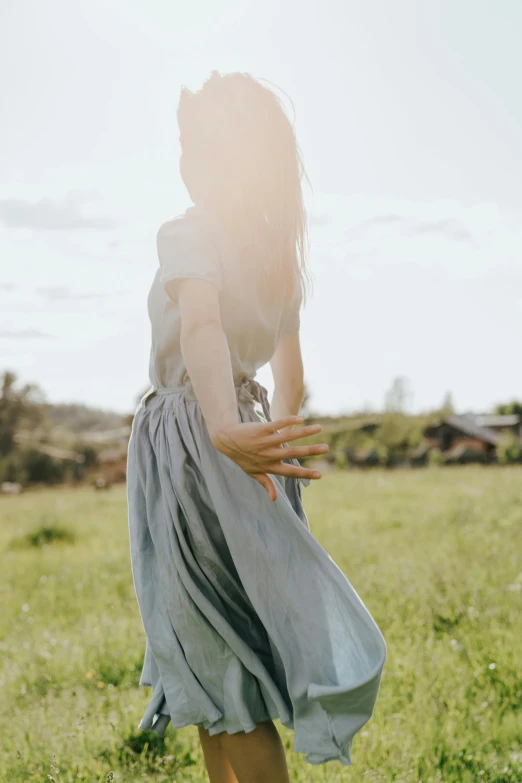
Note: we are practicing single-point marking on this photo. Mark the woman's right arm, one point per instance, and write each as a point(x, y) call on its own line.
point(257, 447)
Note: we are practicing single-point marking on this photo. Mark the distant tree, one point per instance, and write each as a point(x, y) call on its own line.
point(509, 408)
point(19, 406)
point(89, 454)
point(508, 449)
point(434, 457)
point(41, 468)
point(384, 455)
point(448, 404)
point(398, 396)
point(12, 468)
point(10, 412)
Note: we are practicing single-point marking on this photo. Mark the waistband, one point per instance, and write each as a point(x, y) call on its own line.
point(248, 391)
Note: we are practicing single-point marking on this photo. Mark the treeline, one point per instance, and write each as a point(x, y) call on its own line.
point(394, 437)
point(44, 443)
point(41, 443)
point(393, 440)
point(77, 418)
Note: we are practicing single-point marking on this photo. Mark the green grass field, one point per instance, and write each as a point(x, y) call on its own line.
point(435, 555)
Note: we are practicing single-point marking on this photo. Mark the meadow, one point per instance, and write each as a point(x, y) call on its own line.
point(435, 555)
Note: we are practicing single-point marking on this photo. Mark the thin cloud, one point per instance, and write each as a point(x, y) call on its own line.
point(7, 286)
point(62, 293)
point(446, 227)
point(452, 229)
point(383, 220)
point(23, 334)
point(49, 215)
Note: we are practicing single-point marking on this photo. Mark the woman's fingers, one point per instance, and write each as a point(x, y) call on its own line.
point(259, 449)
point(280, 424)
point(297, 452)
point(285, 469)
point(277, 438)
point(268, 483)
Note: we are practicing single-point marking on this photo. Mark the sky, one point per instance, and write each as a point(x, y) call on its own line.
point(409, 118)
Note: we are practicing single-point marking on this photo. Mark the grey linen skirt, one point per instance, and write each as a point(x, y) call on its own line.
point(247, 618)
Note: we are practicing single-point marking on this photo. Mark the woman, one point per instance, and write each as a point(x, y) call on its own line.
point(247, 618)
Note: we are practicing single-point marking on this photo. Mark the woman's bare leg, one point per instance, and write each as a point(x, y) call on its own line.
point(216, 761)
point(256, 756)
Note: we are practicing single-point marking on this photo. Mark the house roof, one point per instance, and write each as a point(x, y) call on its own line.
point(507, 420)
point(467, 424)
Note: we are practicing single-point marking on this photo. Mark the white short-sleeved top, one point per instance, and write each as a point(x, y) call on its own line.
point(194, 245)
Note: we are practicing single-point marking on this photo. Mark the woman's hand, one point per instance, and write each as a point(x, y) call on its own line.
point(257, 447)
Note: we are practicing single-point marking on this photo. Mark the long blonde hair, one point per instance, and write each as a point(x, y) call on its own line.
point(243, 156)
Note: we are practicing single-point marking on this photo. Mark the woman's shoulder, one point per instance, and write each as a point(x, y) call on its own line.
point(191, 220)
point(188, 236)
point(192, 225)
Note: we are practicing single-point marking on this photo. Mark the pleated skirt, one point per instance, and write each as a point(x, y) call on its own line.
point(247, 618)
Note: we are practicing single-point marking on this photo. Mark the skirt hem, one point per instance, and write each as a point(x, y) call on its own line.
point(311, 757)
